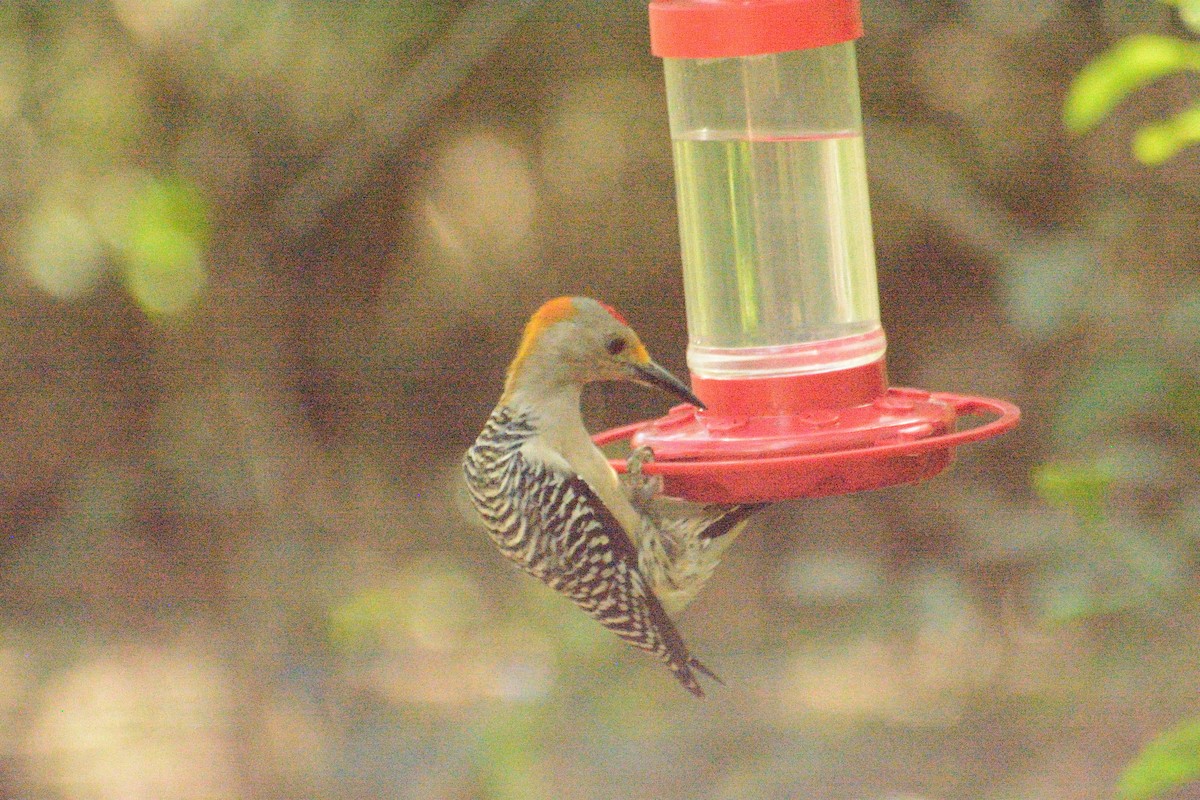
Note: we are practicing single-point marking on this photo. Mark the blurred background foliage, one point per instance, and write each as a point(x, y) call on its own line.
point(263, 264)
point(1129, 65)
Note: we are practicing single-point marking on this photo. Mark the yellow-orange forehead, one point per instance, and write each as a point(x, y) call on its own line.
point(552, 311)
point(563, 308)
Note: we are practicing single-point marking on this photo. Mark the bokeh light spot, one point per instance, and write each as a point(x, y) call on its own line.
point(155, 21)
point(134, 724)
point(481, 199)
point(162, 244)
point(165, 273)
point(60, 251)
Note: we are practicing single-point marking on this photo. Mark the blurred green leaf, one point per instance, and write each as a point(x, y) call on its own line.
point(433, 604)
point(1167, 762)
point(1153, 144)
point(356, 622)
point(173, 203)
point(511, 754)
point(1189, 13)
point(164, 271)
point(162, 241)
point(1125, 67)
point(1082, 488)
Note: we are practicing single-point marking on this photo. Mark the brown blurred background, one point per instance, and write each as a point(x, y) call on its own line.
point(262, 266)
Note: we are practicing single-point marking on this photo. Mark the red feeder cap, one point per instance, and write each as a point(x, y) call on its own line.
point(728, 28)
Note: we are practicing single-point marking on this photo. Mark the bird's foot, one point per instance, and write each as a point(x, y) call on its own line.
point(642, 487)
point(639, 458)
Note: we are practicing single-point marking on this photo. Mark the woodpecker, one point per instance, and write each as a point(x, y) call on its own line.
point(623, 552)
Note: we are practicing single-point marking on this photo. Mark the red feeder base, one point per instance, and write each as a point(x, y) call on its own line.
point(807, 436)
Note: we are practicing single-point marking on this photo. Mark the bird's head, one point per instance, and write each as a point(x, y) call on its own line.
point(577, 340)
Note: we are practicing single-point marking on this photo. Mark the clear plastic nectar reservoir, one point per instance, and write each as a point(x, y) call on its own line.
point(786, 350)
point(778, 259)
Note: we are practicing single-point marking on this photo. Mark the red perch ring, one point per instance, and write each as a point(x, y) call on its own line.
point(898, 455)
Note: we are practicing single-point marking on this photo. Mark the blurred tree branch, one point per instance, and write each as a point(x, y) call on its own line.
point(474, 36)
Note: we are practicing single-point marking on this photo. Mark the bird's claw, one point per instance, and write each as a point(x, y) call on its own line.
point(642, 487)
point(640, 457)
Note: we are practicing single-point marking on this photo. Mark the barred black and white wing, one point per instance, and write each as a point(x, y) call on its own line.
point(553, 524)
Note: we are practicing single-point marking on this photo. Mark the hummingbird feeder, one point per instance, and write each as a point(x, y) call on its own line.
point(785, 347)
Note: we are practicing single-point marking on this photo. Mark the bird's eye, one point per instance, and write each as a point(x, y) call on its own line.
point(616, 345)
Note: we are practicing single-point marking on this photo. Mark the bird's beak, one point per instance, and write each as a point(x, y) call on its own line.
point(651, 374)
